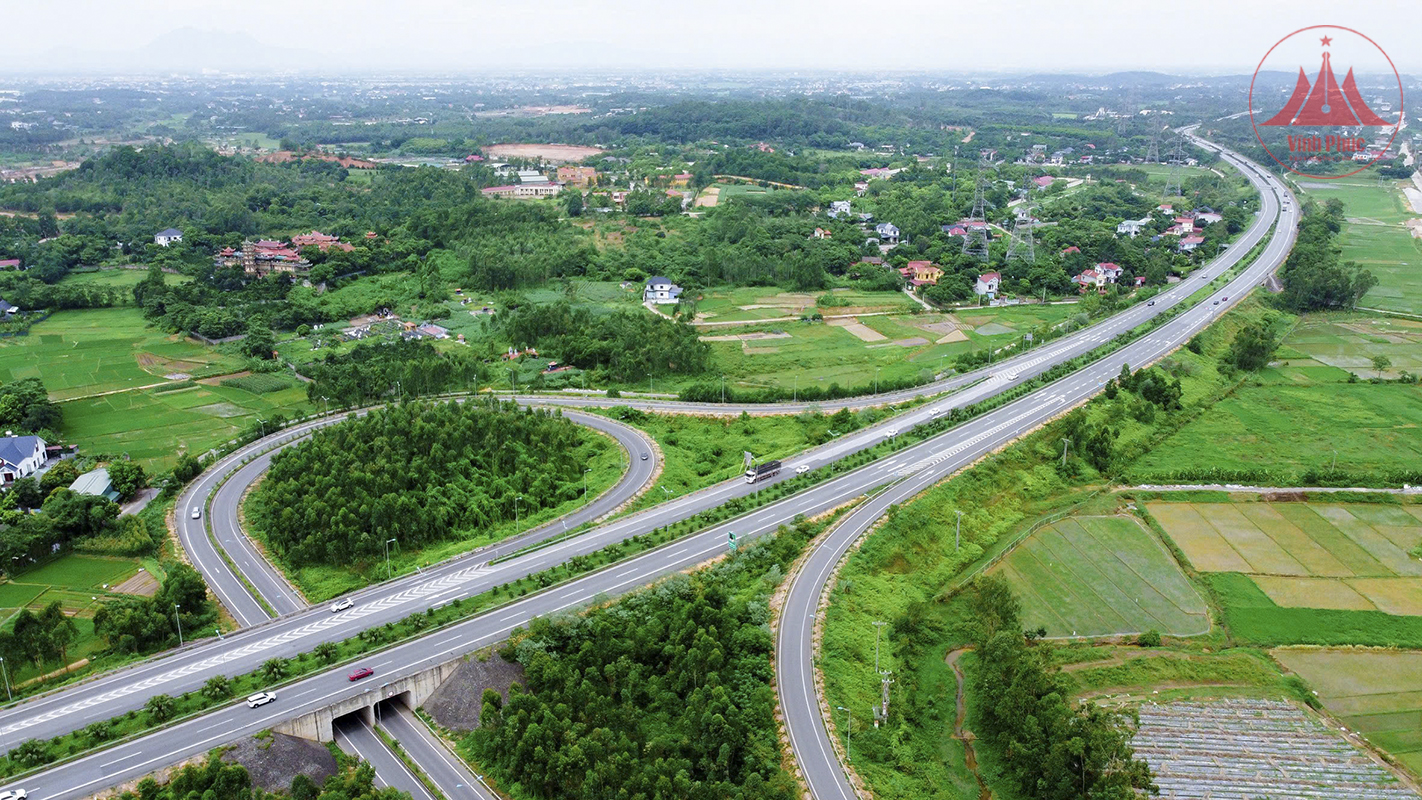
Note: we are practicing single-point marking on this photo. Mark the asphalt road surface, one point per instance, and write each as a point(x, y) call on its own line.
point(447, 771)
point(358, 739)
point(915, 467)
point(794, 653)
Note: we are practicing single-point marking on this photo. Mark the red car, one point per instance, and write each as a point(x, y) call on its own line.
point(363, 672)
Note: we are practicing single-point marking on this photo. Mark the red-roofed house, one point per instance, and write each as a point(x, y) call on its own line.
point(821, 233)
point(922, 273)
point(577, 176)
point(1070, 250)
point(1110, 271)
point(988, 284)
point(1190, 243)
point(1088, 278)
point(10, 263)
point(319, 240)
point(1044, 181)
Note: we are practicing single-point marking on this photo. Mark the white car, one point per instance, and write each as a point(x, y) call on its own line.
point(1011, 376)
point(892, 432)
point(341, 605)
point(260, 699)
point(197, 514)
point(802, 469)
point(14, 794)
point(936, 412)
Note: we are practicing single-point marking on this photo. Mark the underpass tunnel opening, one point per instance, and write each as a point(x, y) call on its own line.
point(364, 715)
point(393, 703)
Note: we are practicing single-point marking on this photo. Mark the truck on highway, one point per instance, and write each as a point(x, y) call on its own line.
point(759, 472)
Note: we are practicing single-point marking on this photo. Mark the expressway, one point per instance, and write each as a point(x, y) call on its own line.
point(923, 463)
point(794, 653)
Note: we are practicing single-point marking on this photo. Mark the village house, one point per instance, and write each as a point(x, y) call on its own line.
point(820, 233)
point(95, 483)
point(888, 233)
point(838, 207)
point(1132, 227)
point(921, 273)
point(988, 284)
point(544, 189)
point(167, 236)
point(1098, 277)
point(9, 263)
point(21, 456)
point(1189, 243)
point(661, 291)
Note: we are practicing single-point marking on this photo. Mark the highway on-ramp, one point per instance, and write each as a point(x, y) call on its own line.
point(800, 701)
point(925, 463)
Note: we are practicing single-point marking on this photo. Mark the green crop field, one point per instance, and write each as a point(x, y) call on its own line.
point(1376, 238)
point(81, 353)
point(121, 279)
point(1289, 418)
point(1096, 576)
point(80, 584)
point(154, 426)
point(1378, 694)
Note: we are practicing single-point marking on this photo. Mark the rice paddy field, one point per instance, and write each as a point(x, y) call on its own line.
point(1098, 576)
point(1300, 413)
point(1376, 693)
point(124, 387)
point(1376, 238)
point(120, 279)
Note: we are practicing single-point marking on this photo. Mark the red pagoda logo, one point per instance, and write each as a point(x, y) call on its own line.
point(1329, 120)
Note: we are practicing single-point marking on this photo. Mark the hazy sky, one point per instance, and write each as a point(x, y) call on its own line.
point(1207, 36)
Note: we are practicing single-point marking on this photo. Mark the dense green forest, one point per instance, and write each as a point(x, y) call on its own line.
point(628, 346)
point(406, 368)
point(418, 473)
point(664, 695)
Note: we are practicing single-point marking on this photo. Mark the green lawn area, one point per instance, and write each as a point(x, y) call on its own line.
point(80, 353)
point(729, 190)
point(80, 584)
point(1097, 576)
point(121, 279)
point(1376, 238)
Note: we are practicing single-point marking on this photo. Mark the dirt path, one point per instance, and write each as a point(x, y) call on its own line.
point(970, 756)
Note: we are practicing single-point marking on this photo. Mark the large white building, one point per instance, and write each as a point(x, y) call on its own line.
point(167, 236)
point(661, 291)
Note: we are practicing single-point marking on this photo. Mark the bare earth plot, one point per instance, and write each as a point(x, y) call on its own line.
point(1374, 692)
point(1097, 576)
point(1307, 555)
point(1256, 749)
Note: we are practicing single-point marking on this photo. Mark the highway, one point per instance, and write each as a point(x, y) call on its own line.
point(447, 771)
point(800, 701)
point(919, 465)
point(358, 739)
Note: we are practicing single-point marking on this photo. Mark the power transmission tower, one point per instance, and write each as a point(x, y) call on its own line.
point(1177, 169)
point(1153, 151)
point(1022, 246)
point(975, 241)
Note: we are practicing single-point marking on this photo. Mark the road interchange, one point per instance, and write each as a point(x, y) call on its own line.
point(907, 471)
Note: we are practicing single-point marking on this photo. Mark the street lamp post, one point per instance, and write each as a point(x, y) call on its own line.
point(848, 725)
point(878, 629)
point(1065, 443)
point(723, 388)
point(585, 486)
point(387, 554)
point(958, 531)
point(518, 517)
point(6, 673)
point(876, 379)
point(179, 621)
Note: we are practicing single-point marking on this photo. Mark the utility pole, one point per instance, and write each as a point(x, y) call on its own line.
point(958, 531)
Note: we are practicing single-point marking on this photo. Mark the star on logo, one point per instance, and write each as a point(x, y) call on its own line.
point(1327, 40)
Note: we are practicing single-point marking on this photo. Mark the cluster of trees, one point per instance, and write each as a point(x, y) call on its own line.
point(1253, 346)
point(25, 407)
point(1048, 747)
point(665, 694)
point(39, 638)
point(405, 368)
point(1142, 395)
point(220, 780)
point(626, 346)
point(418, 473)
point(146, 624)
point(1313, 276)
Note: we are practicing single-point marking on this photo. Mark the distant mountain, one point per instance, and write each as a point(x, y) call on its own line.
point(184, 50)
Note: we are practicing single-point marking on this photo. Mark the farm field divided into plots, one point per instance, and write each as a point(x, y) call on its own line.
point(1306, 573)
point(1096, 576)
point(1375, 236)
point(94, 361)
point(1377, 693)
